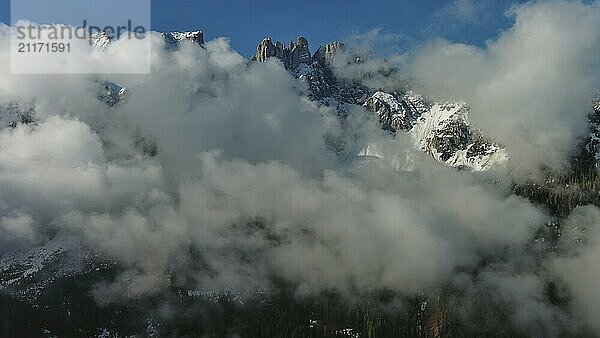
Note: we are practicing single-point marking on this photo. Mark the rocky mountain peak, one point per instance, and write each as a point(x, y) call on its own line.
point(327, 52)
point(441, 130)
point(174, 39)
point(292, 56)
point(102, 40)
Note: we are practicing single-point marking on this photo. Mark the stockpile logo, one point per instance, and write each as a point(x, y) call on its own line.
point(80, 37)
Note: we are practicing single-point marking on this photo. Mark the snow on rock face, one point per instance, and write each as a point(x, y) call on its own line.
point(444, 133)
point(443, 126)
point(13, 114)
point(111, 93)
point(396, 114)
point(593, 145)
point(327, 53)
point(174, 39)
point(441, 130)
point(26, 273)
point(101, 41)
point(325, 89)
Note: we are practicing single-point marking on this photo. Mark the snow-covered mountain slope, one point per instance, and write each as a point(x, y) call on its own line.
point(325, 89)
point(26, 273)
point(593, 145)
point(110, 92)
point(101, 41)
point(441, 130)
point(174, 39)
point(15, 113)
point(12, 114)
point(444, 133)
point(397, 114)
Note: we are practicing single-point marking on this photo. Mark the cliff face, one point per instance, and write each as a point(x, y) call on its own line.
point(296, 53)
point(441, 130)
point(292, 56)
point(174, 39)
point(327, 52)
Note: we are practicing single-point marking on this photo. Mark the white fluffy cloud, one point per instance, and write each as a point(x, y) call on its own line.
point(248, 222)
point(243, 187)
point(318, 225)
point(579, 269)
point(532, 87)
point(59, 164)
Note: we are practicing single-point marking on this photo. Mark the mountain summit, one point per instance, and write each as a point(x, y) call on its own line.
point(292, 56)
point(441, 130)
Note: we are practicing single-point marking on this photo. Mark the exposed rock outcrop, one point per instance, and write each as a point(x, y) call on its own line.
point(12, 114)
point(111, 93)
point(396, 114)
point(441, 130)
point(174, 39)
point(326, 53)
point(291, 56)
point(100, 40)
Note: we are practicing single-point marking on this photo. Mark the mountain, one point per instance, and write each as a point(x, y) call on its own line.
point(441, 130)
point(174, 39)
point(292, 56)
point(110, 92)
point(102, 41)
point(26, 273)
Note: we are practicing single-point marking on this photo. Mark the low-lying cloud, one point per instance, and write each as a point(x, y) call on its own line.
point(243, 187)
point(530, 88)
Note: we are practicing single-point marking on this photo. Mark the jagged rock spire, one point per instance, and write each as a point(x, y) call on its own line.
point(292, 56)
point(327, 52)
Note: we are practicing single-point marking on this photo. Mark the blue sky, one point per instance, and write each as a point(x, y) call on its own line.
point(401, 22)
